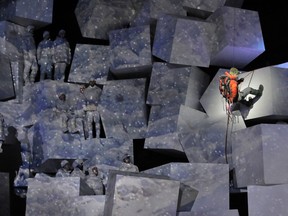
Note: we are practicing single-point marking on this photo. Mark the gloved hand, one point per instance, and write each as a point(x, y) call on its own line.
point(240, 80)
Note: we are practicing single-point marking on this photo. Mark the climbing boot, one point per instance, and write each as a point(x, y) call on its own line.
point(257, 92)
point(260, 90)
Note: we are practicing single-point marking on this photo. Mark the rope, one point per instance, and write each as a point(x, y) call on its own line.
point(251, 78)
point(226, 140)
point(252, 72)
point(230, 118)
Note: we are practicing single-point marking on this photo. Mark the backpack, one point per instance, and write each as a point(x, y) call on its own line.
point(224, 86)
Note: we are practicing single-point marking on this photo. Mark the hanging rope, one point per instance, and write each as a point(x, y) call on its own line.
point(226, 140)
point(251, 78)
point(230, 119)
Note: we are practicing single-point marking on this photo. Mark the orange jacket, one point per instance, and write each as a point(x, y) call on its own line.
point(233, 87)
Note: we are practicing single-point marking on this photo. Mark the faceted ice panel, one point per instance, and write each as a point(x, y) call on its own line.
point(259, 155)
point(11, 45)
point(141, 194)
point(202, 8)
point(208, 140)
point(130, 49)
point(152, 10)
point(41, 12)
point(6, 82)
point(57, 193)
point(176, 84)
point(282, 65)
point(233, 212)
point(183, 41)
point(163, 119)
point(267, 200)
point(97, 17)
point(10, 40)
point(189, 118)
point(86, 205)
point(122, 108)
point(198, 82)
point(90, 62)
point(142, 15)
point(211, 181)
point(239, 37)
point(27, 12)
point(167, 141)
point(168, 83)
point(187, 197)
point(159, 8)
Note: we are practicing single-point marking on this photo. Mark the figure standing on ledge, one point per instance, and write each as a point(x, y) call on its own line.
point(228, 86)
point(94, 181)
point(61, 56)
point(2, 131)
point(44, 56)
point(29, 54)
point(67, 114)
point(127, 165)
point(78, 169)
point(91, 94)
point(65, 169)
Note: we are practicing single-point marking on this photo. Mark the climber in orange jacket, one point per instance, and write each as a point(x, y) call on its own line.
point(228, 86)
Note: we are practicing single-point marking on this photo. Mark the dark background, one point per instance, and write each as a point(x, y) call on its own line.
point(274, 23)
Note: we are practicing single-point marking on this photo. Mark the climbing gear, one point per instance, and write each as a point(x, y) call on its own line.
point(224, 87)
